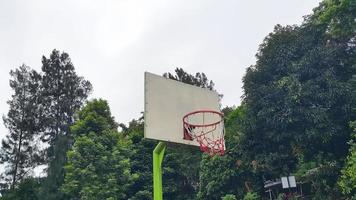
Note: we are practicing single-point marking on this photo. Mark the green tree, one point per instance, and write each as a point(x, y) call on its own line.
point(251, 196)
point(179, 179)
point(19, 151)
point(233, 173)
point(98, 164)
point(141, 160)
point(347, 180)
point(218, 176)
point(27, 189)
point(229, 197)
point(63, 93)
point(199, 79)
point(298, 95)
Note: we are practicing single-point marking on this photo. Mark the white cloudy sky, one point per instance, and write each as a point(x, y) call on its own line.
point(112, 43)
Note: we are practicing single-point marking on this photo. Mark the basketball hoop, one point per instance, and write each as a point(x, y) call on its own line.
point(207, 128)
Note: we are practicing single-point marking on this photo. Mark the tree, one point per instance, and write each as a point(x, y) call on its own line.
point(347, 180)
point(98, 164)
point(141, 160)
point(298, 95)
point(19, 151)
point(199, 79)
point(251, 196)
point(63, 93)
point(218, 176)
point(27, 189)
point(234, 173)
point(229, 197)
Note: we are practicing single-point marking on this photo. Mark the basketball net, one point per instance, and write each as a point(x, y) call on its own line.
point(207, 128)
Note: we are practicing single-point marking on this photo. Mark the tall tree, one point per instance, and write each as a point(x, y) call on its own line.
point(347, 180)
point(98, 165)
point(298, 95)
point(19, 151)
point(63, 93)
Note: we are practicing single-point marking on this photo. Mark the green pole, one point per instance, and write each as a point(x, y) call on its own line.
point(158, 154)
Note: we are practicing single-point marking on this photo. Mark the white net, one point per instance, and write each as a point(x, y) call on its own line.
point(207, 128)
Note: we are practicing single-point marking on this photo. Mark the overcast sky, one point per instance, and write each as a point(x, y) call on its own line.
point(112, 43)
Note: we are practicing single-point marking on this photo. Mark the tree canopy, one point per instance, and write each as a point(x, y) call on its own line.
point(19, 151)
point(98, 165)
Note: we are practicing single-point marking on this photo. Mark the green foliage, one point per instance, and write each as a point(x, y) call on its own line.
point(199, 79)
point(339, 16)
point(141, 160)
point(181, 172)
point(19, 151)
point(299, 98)
point(251, 196)
point(98, 165)
point(234, 121)
point(322, 180)
point(62, 94)
point(94, 117)
point(180, 179)
point(229, 197)
point(55, 170)
point(218, 176)
point(347, 180)
point(303, 168)
point(96, 170)
point(43, 106)
point(227, 110)
point(27, 189)
point(233, 172)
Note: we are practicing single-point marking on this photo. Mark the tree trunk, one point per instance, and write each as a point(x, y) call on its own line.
point(17, 153)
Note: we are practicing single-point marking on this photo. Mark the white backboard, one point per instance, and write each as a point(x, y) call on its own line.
point(292, 182)
point(166, 103)
point(288, 182)
point(284, 182)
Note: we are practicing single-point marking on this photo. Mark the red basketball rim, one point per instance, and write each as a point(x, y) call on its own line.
point(203, 111)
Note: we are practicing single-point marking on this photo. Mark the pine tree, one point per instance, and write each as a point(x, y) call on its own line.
point(199, 80)
point(63, 93)
point(19, 151)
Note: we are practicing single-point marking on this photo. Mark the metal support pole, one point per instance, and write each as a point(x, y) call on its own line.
point(158, 154)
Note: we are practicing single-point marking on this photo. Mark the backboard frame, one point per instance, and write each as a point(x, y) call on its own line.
point(167, 91)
